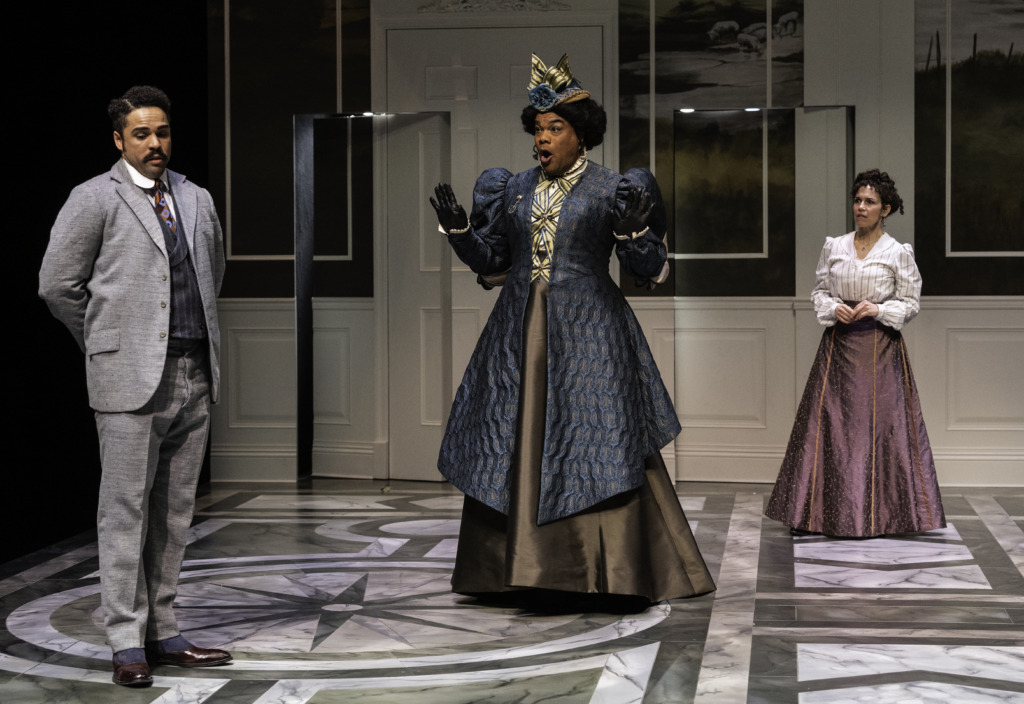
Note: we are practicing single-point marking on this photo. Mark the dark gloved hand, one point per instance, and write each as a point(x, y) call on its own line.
point(635, 213)
point(450, 214)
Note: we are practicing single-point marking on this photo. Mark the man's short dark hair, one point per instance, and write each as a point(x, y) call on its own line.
point(134, 98)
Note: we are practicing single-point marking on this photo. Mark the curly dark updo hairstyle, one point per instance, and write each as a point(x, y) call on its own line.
point(883, 185)
point(586, 116)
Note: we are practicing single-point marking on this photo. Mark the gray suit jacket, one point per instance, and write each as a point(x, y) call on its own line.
point(106, 276)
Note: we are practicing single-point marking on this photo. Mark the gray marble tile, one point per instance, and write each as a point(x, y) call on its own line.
point(621, 678)
point(815, 576)
point(1007, 533)
point(380, 547)
point(565, 687)
point(599, 633)
point(320, 503)
point(875, 613)
point(711, 538)
point(47, 569)
point(45, 690)
point(625, 676)
point(948, 533)
point(326, 564)
point(1008, 600)
point(772, 690)
point(31, 624)
point(858, 633)
point(444, 549)
point(774, 655)
point(1011, 501)
point(817, 661)
point(882, 551)
point(955, 505)
point(726, 662)
point(441, 503)
point(922, 692)
point(436, 526)
point(692, 504)
point(166, 690)
point(767, 612)
point(345, 529)
point(725, 667)
point(205, 528)
point(269, 540)
point(674, 677)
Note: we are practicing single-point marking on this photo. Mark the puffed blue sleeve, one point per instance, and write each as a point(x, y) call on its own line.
point(644, 256)
point(484, 247)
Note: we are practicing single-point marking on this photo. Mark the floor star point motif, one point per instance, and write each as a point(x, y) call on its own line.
point(336, 594)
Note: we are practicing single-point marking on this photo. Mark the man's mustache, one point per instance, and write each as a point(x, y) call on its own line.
point(158, 154)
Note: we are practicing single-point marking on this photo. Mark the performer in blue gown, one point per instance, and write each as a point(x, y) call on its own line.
point(555, 432)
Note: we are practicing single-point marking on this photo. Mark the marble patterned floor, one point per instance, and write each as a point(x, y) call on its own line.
point(340, 593)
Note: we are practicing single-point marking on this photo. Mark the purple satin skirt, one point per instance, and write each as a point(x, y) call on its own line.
point(858, 462)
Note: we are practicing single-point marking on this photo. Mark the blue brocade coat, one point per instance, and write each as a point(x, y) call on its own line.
point(607, 407)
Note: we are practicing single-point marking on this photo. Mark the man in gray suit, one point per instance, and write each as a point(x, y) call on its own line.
point(133, 268)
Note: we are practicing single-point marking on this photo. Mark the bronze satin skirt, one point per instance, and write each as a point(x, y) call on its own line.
point(638, 543)
point(858, 462)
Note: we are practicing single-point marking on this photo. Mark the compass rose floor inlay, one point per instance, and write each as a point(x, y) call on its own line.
point(340, 592)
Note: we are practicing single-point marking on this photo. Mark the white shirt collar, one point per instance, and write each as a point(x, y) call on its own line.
point(141, 181)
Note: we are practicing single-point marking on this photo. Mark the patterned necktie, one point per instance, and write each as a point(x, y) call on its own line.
point(162, 208)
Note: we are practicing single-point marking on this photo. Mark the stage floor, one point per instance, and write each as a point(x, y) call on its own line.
point(340, 593)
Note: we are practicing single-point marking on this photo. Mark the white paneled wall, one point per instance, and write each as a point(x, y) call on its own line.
point(740, 366)
point(967, 356)
point(736, 368)
point(345, 397)
point(253, 427)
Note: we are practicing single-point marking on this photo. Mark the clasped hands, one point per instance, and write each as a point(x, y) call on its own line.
point(450, 215)
point(864, 309)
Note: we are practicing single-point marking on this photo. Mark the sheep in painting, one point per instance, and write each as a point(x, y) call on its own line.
point(786, 24)
point(723, 28)
point(748, 42)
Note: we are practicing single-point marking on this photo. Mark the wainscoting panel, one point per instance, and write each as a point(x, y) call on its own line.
point(740, 366)
point(736, 369)
point(734, 378)
point(252, 434)
point(978, 399)
point(253, 427)
point(967, 355)
point(346, 441)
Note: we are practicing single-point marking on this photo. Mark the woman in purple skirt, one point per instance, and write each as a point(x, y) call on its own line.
point(859, 463)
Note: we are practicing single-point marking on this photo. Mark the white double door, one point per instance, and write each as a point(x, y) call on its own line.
point(479, 76)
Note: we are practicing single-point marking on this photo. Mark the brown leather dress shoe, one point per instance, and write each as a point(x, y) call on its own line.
point(193, 657)
point(132, 674)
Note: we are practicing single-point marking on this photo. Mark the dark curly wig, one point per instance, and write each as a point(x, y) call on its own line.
point(883, 185)
point(134, 98)
point(586, 116)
